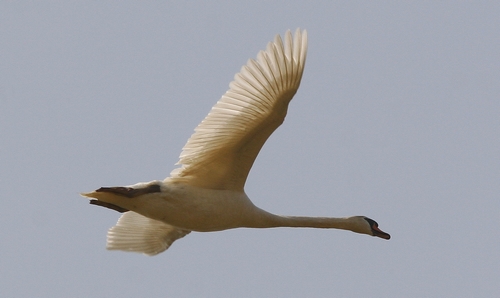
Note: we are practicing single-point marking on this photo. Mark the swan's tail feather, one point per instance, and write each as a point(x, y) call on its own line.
point(137, 233)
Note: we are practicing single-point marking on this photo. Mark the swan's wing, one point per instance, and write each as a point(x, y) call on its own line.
point(222, 149)
point(137, 233)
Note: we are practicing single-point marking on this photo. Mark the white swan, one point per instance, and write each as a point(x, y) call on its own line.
point(206, 192)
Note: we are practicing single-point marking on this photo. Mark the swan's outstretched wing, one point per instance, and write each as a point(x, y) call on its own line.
point(137, 233)
point(222, 150)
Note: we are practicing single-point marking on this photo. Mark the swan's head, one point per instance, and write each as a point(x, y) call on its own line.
point(365, 225)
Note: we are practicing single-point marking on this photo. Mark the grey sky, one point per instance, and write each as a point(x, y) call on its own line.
point(397, 118)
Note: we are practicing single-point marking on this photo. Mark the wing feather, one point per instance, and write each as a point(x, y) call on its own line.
point(221, 152)
point(137, 233)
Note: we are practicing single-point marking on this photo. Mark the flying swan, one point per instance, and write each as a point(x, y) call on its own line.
point(206, 193)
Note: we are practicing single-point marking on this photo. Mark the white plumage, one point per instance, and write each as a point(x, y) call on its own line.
point(134, 232)
point(206, 193)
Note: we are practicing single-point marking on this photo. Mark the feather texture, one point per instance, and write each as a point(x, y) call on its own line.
point(222, 149)
point(137, 233)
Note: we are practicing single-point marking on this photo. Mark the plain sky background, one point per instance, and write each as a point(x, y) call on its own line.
point(397, 118)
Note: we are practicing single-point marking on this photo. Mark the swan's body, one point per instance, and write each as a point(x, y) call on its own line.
point(206, 193)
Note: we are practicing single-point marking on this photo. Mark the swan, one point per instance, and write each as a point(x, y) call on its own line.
point(206, 193)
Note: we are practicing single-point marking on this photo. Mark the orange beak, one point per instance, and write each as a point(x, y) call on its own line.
point(379, 233)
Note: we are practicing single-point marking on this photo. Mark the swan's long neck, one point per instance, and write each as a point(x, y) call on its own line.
point(315, 222)
point(269, 220)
